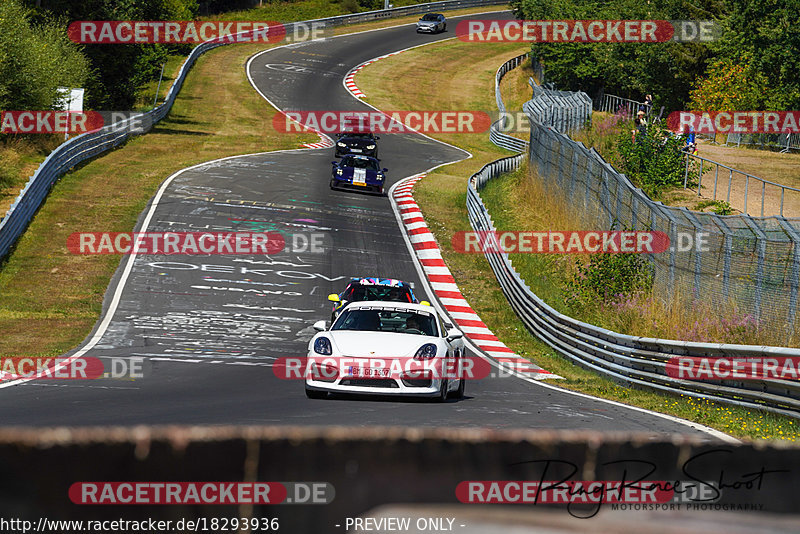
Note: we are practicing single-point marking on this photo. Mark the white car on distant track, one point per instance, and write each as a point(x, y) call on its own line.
point(386, 348)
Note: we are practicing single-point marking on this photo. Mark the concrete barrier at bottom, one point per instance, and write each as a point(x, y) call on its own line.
point(371, 467)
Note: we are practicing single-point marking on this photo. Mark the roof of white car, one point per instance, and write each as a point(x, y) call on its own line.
point(391, 304)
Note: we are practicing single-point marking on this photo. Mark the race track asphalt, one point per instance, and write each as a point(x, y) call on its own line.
point(210, 327)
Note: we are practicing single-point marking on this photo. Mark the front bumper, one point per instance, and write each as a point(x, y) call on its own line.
point(426, 29)
point(377, 387)
point(370, 186)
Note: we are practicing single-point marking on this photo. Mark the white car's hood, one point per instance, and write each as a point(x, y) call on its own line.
point(382, 344)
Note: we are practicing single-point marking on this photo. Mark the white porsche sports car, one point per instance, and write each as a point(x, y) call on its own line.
point(386, 348)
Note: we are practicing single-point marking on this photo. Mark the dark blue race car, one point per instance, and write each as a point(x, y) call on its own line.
point(358, 172)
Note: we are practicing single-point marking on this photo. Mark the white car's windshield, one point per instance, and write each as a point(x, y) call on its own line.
point(404, 322)
point(430, 18)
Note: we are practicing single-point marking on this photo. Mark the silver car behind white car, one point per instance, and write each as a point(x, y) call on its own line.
point(432, 23)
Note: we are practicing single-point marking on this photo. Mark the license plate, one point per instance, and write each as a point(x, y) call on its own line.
point(356, 150)
point(367, 372)
point(360, 177)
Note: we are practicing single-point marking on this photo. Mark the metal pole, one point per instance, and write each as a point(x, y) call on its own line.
point(700, 177)
point(716, 175)
point(746, 186)
point(158, 88)
point(730, 183)
point(686, 174)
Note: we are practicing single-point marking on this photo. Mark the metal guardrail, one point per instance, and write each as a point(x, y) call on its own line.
point(89, 145)
point(785, 142)
point(632, 360)
point(615, 104)
point(496, 134)
point(760, 183)
point(564, 111)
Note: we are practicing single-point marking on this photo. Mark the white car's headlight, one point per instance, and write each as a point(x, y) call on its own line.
point(322, 345)
point(426, 352)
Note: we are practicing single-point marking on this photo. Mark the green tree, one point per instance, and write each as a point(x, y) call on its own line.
point(765, 34)
point(35, 59)
point(730, 85)
point(120, 69)
point(632, 70)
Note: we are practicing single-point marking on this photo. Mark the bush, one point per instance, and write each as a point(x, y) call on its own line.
point(654, 161)
point(608, 278)
point(720, 207)
point(35, 59)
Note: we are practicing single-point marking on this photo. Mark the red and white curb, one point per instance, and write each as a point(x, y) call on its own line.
point(444, 285)
point(350, 78)
point(324, 142)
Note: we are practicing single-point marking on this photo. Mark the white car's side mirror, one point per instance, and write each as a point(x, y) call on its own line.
point(320, 326)
point(453, 334)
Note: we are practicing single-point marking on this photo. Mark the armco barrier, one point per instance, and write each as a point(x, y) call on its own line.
point(89, 145)
point(631, 360)
point(495, 132)
point(564, 111)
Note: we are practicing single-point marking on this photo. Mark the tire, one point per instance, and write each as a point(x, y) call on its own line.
point(442, 397)
point(333, 183)
point(314, 394)
point(444, 28)
point(462, 384)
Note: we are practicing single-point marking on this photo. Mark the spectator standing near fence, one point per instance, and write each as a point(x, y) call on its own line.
point(647, 105)
point(640, 122)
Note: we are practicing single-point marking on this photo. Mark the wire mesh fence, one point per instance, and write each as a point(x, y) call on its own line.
point(750, 264)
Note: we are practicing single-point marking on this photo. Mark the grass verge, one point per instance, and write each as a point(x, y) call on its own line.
point(414, 80)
